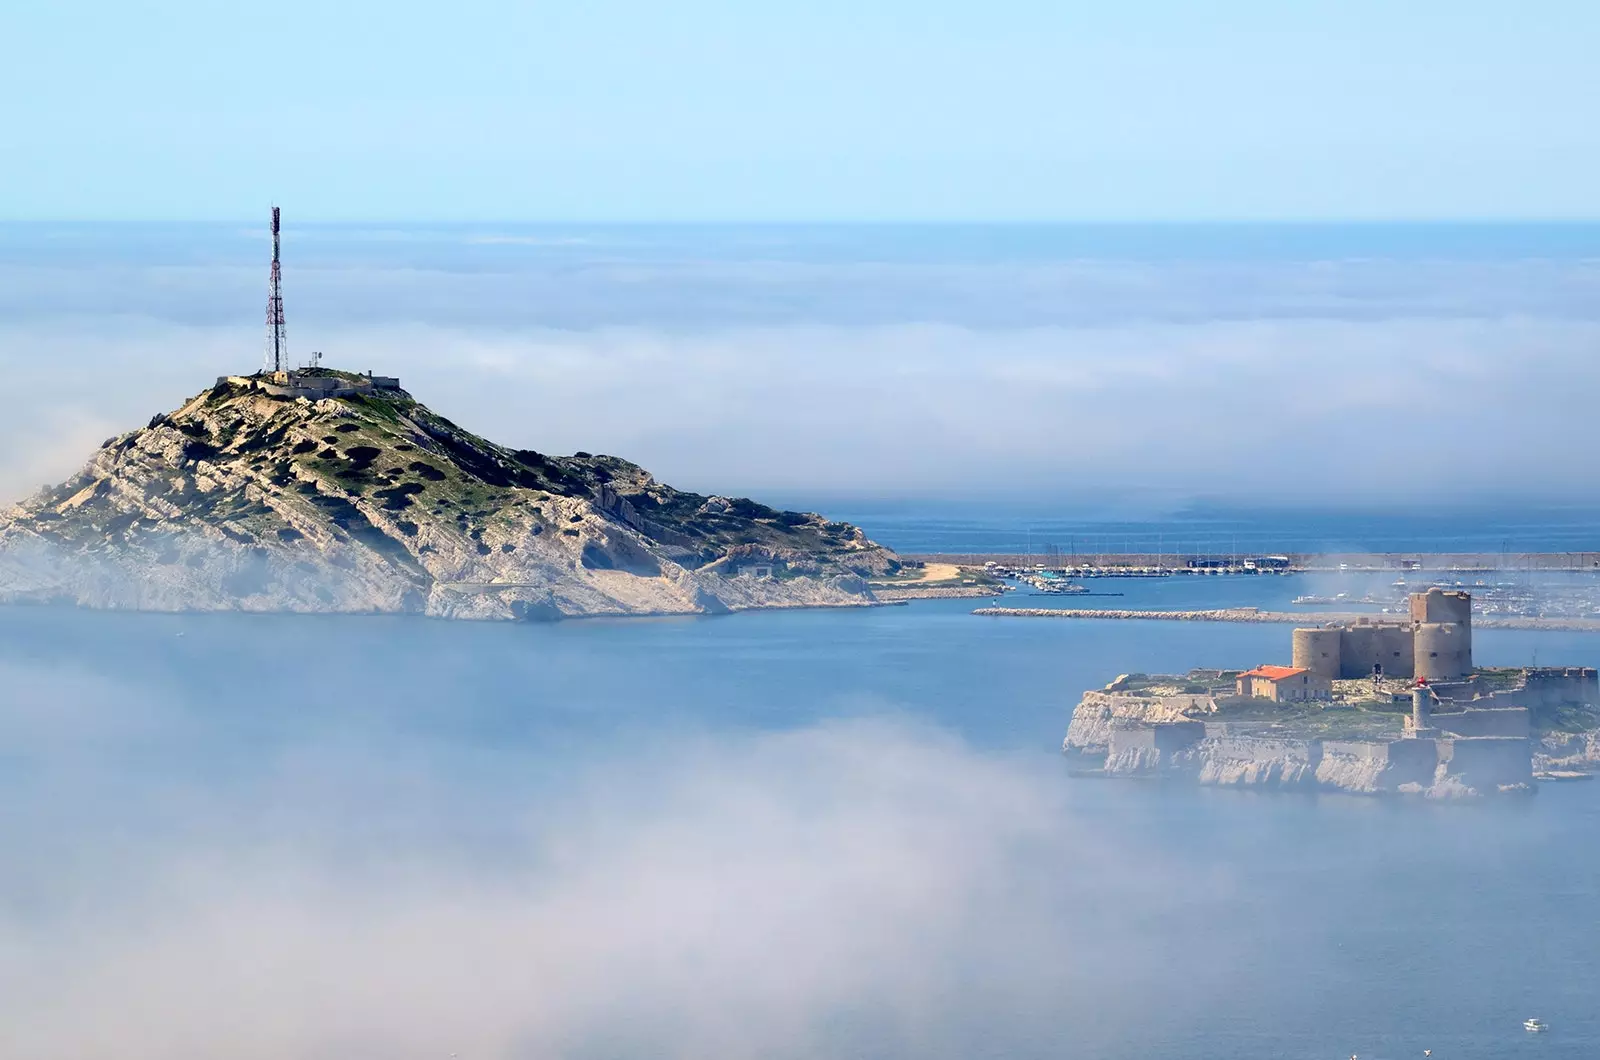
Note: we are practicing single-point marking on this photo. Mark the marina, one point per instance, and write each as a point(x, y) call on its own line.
point(1557, 588)
point(1164, 564)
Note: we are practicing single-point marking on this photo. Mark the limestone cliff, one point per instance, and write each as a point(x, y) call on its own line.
point(1569, 751)
point(246, 500)
point(1257, 761)
point(1101, 712)
point(1143, 726)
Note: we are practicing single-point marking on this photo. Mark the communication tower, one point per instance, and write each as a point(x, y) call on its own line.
point(277, 353)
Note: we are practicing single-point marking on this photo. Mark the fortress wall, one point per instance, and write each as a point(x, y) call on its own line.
point(1100, 714)
point(1355, 765)
point(1532, 698)
point(1462, 692)
point(1411, 762)
point(1486, 763)
point(1166, 737)
point(1377, 766)
point(1257, 761)
point(1132, 751)
point(1555, 687)
point(1318, 650)
point(1146, 749)
point(1363, 645)
point(1496, 721)
point(1179, 735)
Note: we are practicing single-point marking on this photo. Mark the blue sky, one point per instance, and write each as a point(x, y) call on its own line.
point(706, 110)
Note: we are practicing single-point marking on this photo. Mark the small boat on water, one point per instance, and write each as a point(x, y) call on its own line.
point(1535, 1026)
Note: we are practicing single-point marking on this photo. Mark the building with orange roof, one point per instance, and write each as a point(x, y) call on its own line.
point(1284, 684)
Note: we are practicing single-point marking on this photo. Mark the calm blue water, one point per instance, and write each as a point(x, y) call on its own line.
point(1106, 919)
point(1003, 527)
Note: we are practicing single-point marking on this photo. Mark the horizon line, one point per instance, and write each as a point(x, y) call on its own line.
point(1217, 222)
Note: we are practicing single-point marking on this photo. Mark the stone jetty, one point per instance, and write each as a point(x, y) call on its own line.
point(1251, 614)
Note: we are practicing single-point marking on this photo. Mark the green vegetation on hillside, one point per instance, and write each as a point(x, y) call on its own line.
point(376, 468)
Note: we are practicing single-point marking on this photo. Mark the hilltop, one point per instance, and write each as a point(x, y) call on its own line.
point(248, 498)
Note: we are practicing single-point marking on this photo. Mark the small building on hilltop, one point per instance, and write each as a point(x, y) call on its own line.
point(313, 384)
point(1284, 684)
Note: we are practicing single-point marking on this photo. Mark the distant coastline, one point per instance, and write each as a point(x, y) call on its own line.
point(1400, 562)
point(1074, 526)
point(1255, 615)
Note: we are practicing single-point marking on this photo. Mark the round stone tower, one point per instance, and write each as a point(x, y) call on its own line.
point(1443, 644)
point(1443, 651)
point(1439, 605)
point(1317, 650)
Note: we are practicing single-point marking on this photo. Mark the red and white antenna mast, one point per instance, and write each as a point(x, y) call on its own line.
point(277, 343)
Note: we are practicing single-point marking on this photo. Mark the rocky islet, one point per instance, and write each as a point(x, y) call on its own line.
point(246, 499)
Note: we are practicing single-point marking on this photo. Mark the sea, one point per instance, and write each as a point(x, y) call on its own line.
point(818, 832)
point(1212, 529)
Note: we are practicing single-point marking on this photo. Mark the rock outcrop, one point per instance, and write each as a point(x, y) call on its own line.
point(1568, 751)
point(1101, 713)
point(1171, 736)
point(246, 500)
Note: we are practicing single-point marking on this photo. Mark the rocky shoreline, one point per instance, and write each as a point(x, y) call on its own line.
point(1158, 731)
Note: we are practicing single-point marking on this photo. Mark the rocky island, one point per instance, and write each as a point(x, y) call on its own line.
point(1388, 707)
point(325, 491)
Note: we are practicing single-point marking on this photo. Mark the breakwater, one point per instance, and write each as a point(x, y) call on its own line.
point(1251, 614)
point(898, 593)
point(1180, 561)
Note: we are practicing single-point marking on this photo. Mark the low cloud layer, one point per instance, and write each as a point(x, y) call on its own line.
point(844, 888)
point(201, 866)
point(806, 371)
point(1298, 411)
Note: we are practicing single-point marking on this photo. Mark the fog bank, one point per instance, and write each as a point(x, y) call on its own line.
point(844, 887)
point(783, 362)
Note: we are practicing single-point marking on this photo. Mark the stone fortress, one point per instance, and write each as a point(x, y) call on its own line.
point(1330, 719)
point(1435, 645)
